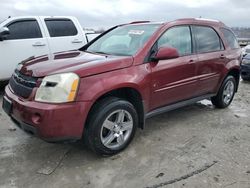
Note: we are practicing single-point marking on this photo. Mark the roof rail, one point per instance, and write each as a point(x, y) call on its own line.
point(135, 22)
point(198, 19)
point(183, 19)
point(207, 19)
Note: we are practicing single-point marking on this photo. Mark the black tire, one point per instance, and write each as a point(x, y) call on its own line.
point(94, 125)
point(218, 100)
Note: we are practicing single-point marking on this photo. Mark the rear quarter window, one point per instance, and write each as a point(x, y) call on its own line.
point(230, 38)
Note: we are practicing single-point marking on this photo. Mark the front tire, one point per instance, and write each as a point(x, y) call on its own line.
point(226, 93)
point(111, 126)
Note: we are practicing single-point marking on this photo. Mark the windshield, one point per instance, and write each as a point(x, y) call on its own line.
point(125, 40)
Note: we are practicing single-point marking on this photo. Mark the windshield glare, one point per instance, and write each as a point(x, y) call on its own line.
point(124, 40)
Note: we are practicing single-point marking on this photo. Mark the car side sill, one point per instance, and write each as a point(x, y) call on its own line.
point(177, 105)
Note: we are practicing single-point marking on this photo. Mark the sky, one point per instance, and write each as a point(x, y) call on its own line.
point(107, 13)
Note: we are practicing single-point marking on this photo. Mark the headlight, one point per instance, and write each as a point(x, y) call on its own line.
point(58, 88)
point(246, 61)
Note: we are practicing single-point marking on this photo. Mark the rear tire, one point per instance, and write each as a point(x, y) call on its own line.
point(111, 126)
point(226, 93)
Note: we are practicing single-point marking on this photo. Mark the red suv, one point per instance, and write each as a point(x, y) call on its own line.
point(105, 90)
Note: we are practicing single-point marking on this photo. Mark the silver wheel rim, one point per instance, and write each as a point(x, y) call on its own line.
point(228, 92)
point(116, 129)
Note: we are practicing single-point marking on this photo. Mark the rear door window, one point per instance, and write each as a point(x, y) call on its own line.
point(24, 29)
point(207, 40)
point(178, 37)
point(61, 27)
point(230, 38)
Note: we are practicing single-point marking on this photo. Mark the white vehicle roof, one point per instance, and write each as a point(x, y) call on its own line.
point(34, 17)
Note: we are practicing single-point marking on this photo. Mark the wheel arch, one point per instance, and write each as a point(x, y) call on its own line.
point(126, 93)
point(235, 72)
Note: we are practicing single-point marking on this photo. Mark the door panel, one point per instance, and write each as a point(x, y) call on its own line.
point(21, 45)
point(63, 34)
point(212, 58)
point(173, 80)
point(210, 67)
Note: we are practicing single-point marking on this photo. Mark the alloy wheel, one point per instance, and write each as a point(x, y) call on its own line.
point(116, 129)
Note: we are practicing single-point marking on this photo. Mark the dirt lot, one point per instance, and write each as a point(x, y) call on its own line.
point(196, 146)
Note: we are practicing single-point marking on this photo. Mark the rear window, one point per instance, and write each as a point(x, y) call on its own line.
point(61, 27)
point(24, 29)
point(207, 40)
point(230, 38)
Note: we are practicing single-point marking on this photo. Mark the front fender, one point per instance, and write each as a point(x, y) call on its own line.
point(136, 77)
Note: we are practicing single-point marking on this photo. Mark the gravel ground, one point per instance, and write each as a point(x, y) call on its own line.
point(196, 146)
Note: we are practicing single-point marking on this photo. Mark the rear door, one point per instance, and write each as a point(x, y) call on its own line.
point(26, 39)
point(63, 33)
point(174, 80)
point(212, 58)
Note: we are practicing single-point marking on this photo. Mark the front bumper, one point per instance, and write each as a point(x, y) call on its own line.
point(50, 122)
point(245, 71)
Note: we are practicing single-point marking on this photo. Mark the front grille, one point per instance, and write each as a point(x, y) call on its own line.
point(22, 85)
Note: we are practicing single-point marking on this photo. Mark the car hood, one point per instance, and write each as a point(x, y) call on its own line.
point(82, 63)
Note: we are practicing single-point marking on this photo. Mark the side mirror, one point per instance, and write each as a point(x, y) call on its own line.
point(166, 53)
point(4, 32)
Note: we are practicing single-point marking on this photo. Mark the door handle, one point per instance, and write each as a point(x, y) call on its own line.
point(76, 41)
point(38, 44)
point(222, 56)
point(191, 61)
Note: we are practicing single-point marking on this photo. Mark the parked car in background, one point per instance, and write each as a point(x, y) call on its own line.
point(246, 50)
point(105, 90)
point(245, 67)
point(33, 36)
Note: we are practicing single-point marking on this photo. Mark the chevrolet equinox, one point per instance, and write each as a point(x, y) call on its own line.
point(105, 90)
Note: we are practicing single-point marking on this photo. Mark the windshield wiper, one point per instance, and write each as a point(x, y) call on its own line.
point(115, 54)
point(98, 52)
point(121, 54)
